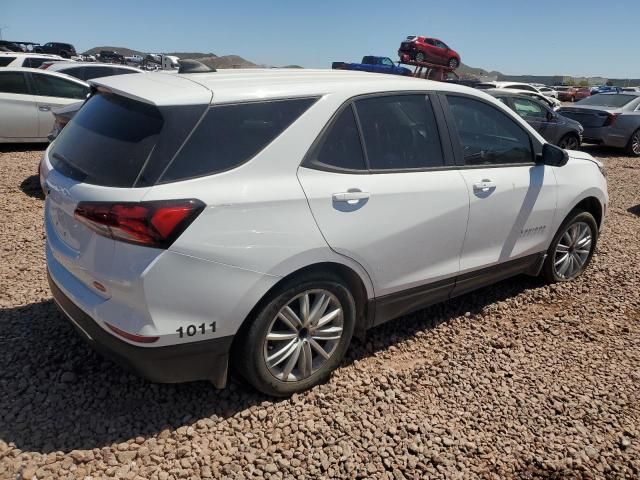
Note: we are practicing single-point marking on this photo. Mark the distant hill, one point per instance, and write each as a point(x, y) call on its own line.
point(210, 59)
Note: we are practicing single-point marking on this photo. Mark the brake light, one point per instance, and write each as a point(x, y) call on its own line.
point(46, 65)
point(611, 119)
point(152, 224)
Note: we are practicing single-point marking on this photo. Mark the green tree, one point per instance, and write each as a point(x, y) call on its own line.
point(609, 83)
point(583, 83)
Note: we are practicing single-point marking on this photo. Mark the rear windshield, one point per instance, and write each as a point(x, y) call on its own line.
point(108, 141)
point(230, 135)
point(608, 100)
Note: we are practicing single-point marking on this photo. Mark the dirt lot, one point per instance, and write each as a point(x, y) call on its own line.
point(518, 380)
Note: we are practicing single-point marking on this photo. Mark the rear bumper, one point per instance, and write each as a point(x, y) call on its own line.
point(185, 362)
point(606, 136)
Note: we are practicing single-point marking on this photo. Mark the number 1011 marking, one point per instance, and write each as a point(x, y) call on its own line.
point(192, 330)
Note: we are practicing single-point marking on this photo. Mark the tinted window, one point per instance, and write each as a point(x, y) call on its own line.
point(399, 132)
point(49, 86)
point(13, 82)
point(4, 61)
point(608, 100)
point(35, 62)
point(77, 72)
point(528, 109)
point(108, 141)
point(122, 71)
point(487, 135)
point(230, 135)
point(97, 72)
point(340, 147)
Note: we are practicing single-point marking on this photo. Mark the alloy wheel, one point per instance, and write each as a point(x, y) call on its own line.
point(572, 251)
point(635, 143)
point(304, 335)
point(569, 143)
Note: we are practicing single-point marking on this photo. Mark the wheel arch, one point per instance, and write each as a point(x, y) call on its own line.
point(591, 204)
point(356, 284)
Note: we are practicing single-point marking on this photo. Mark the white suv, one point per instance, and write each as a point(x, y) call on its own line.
point(261, 218)
point(28, 60)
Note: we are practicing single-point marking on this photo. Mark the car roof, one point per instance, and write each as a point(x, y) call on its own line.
point(58, 65)
point(28, 54)
point(45, 72)
point(235, 85)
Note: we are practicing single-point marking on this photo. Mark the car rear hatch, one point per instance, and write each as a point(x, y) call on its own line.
point(112, 152)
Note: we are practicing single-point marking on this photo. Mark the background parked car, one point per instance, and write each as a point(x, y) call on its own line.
point(371, 63)
point(605, 89)
point(566, 93)
point(523, 89)
point(582, 92)
point(27, 96)
point(548, 92)
point(87, 71)
point(110, 56)
point(555, 128)
point(29, 60)
point(65, 50)
point(432, 50)
point(611, 119)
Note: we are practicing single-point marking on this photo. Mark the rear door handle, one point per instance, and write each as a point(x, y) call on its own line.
point(351, 197)
point(484, 185)
point(44, 108)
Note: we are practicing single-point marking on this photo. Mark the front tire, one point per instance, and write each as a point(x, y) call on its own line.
point(633, 147)
point(569, 142)
point(420, 57)
point(299, 337)
point(572, 248)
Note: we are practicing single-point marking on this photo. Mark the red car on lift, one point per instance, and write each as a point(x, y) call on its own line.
point(430, 50)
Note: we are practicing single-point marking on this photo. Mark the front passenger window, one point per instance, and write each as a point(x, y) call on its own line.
point(487, 135)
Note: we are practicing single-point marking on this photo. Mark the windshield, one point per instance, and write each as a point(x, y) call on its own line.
point(608, 100)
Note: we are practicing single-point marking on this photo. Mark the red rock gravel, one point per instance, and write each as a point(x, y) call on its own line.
point(518, 380)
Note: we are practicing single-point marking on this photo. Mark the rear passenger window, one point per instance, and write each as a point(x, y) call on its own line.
point(400, 132)
point(13, 82)
point(340, 147)
point(35, 62)
point(230, 135)
point(50, 86)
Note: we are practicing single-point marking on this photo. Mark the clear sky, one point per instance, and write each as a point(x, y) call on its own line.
point(544, 37)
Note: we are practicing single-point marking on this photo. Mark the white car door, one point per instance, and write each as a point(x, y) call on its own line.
point(52, 92)
point(18, 117)
point(390, 202)
point(512, 198)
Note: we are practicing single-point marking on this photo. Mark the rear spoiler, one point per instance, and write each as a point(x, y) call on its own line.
point(158, 89)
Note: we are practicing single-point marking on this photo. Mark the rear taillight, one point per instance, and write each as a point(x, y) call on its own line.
point(152, 224)
point(46, 65)
point(611, 119)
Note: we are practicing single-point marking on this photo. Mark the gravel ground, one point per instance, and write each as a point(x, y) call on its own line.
point(518, 380)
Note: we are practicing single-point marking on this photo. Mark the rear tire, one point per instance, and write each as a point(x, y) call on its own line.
point(283, 352)
point(633, 147)
point(572, 248)
point(420, 57)
point(453, 63)
point(65, 54)
point(569, 142)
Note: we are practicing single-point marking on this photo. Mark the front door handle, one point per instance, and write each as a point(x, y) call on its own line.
point(484, 185)
point(44, 108)
point(350, 197)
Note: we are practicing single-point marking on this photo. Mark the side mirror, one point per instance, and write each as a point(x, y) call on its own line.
point(551, 116)
point(553, 156)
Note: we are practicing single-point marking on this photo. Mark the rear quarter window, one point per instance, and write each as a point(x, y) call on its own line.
point(230, 135)
point(4, 61)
